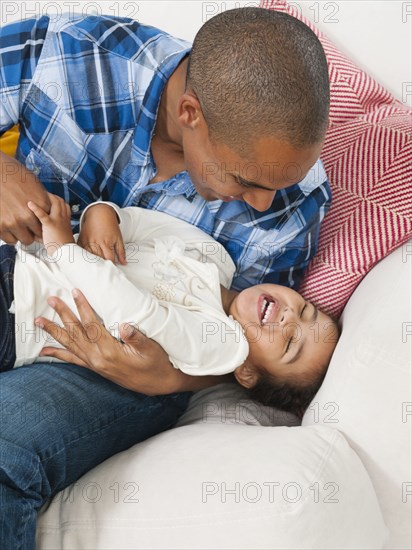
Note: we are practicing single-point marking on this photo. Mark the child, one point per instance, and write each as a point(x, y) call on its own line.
point(175, 286)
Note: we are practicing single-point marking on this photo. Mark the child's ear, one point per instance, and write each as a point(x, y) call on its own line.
point(247, 375)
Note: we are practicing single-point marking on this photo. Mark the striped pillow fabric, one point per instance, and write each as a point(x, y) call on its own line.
point(368, 159)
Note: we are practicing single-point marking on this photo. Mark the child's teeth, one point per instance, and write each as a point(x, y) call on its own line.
point(268, 312)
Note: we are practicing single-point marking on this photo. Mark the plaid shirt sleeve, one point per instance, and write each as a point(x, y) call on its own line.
point(21, 44)
point(289, 267)
point(278, 251)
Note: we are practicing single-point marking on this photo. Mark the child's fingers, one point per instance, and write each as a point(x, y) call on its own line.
point(38, 211)
point(94, 248)
point(58, 206)
point(120, 251)
point(108, 252)
point(102, 250)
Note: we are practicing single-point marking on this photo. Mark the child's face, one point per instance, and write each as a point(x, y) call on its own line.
point(286, 333)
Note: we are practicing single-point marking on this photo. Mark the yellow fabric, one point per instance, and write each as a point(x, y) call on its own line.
point(8, 141)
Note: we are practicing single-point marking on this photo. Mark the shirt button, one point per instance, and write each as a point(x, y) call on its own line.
point(36, 170)
point(75, 207)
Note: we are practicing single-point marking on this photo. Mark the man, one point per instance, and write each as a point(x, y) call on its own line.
point(225, 136)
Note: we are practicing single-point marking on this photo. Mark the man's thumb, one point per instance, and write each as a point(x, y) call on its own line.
point(130, 333)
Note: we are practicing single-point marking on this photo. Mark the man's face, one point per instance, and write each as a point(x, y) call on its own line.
point(218, 172)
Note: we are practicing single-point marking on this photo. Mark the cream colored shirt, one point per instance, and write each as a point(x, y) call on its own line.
point(170, 289)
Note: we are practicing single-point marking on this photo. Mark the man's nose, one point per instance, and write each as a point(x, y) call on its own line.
point(259, 200)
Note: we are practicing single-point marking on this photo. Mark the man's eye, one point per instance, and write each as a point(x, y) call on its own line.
point(242, 184)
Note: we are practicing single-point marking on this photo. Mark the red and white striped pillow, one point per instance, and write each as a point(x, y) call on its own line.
point(368, 159)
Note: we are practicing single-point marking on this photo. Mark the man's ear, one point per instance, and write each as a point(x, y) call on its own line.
point(190, 112)
point(247, 375)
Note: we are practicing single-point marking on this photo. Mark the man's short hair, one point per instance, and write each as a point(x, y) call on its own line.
point(259, 72)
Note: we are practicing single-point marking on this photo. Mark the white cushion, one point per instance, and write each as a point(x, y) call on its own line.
point(221, 486)
point(367, 390)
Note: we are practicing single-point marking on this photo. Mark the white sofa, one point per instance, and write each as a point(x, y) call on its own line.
point(233, 474)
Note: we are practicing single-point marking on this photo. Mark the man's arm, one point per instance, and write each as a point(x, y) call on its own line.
point(21, 44)
point(139, 364)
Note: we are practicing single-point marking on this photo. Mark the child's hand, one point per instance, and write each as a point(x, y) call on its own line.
point(101, 235)
point(56, 228)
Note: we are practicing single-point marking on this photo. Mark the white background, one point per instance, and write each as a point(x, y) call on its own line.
point(377, 34)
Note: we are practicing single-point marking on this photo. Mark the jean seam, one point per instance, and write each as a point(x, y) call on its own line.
point(89, 433)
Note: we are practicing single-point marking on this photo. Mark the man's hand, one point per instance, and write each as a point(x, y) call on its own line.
point(17, 187)
point(56, 229)
point(139, 364)
point(101, 235)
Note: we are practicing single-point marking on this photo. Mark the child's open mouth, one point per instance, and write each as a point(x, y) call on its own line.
point(267, 309)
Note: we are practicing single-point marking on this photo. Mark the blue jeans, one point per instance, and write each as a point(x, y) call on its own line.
point(57, 422)
point(7, 337)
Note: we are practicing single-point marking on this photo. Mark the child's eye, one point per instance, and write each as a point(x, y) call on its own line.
point(303, 309)
point(290, 341)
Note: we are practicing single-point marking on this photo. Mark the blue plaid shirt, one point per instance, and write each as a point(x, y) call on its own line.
point(85, 92)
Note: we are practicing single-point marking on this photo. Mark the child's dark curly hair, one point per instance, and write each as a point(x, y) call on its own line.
point(285, 395)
